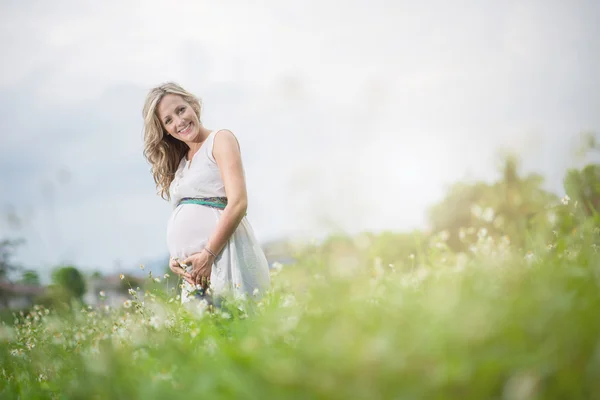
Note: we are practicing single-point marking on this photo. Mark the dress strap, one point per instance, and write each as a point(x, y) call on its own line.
point(211, 144)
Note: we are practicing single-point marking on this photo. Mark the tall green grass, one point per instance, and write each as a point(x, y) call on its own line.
point(493, 323)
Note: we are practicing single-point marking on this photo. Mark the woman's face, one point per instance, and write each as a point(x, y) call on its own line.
point(178, 118)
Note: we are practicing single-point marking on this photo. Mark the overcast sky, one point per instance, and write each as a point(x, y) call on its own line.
point(351, 115)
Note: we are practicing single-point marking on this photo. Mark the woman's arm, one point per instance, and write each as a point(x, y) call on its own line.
point(226, 152)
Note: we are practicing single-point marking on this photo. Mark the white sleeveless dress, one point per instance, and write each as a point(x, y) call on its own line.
point(241, 267)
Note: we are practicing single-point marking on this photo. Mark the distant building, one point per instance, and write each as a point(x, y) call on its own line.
point(17, 296)
point(110, 290)
point(278, 251)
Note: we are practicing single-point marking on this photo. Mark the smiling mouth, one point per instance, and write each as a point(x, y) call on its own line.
point(185, 130)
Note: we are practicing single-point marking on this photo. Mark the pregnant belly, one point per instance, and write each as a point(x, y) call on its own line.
point(189, 228)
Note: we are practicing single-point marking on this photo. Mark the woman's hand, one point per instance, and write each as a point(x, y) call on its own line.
point(178, 270)
point(201, 267)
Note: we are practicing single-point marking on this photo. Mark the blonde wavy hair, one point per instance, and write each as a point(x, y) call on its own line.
point(163, 151)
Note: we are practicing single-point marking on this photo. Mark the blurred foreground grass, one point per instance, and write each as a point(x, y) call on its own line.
point(496, 323)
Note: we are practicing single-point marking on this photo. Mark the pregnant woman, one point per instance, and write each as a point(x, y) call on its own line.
point(200, 171)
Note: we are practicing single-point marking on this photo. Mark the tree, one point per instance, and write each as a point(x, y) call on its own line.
point(70, 280)
point(398, 249)
point(96, 275)
point(589, 142)
point(30, 277)
point(506, 207)
point(7, 248)
point(583, 186)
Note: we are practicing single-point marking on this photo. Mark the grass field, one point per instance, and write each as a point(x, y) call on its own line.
point(494, 323)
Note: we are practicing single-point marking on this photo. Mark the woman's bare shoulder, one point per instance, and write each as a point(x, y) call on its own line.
point(225, 141)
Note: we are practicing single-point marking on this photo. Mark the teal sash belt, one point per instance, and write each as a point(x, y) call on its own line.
point(215, 202)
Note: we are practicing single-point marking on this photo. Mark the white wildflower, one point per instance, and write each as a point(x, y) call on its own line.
point(162, 376)
point(482, 233)
point(197, 308)
point(16, 352)
point(210, 346)
point(289, 323)
point(444, 236)
point(565, 200)
point(225, 315)
point(289, 300)
point(154, 322)
point(120, 332)
point(488, 214)
point(529, 257)
point(276, 267)
point(552, 218)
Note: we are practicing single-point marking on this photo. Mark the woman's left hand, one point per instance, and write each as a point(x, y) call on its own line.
point(201, 267)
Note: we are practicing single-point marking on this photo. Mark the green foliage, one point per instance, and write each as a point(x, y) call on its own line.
point(7, 265)
point(507, 207)
point(498, 301)
point(58, 298)
point(30, 277)
point(500, 324)
point(589, 142)
point(7, 249)
point(70, 281)
point(131, 282)
point(397, 249)
point(96, 275)
point(583, 186)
